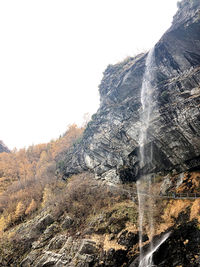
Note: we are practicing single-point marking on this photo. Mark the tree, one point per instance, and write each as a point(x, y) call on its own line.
point(31, 208)
point(3, 223)
point(20, 211)
point(46, 196)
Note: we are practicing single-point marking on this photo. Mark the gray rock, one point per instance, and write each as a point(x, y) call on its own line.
point(67, 223)
point(3, 148)
point(167, 183)
point(28, 261)
point(57, 242)
point(47, 259)
point(179, 180)
point(110, 143)
point(67, 247)
point(87, 247)
point(43, 223)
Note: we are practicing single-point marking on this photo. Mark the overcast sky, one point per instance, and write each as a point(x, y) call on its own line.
point(53, 54)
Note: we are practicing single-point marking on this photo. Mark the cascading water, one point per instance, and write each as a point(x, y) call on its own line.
point(147, 259)
point(144, 183)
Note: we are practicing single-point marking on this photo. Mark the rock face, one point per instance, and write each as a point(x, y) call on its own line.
point(181, 248)
point(111, 140)
point(3, 148)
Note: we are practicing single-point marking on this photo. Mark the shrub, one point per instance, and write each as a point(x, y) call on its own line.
point(83, 196)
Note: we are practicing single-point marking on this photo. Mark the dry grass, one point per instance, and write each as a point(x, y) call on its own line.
point(174, 208)
point(191, 183)
point(105, 243)
point(108, 244)
point(195, 210)
point(83, 197)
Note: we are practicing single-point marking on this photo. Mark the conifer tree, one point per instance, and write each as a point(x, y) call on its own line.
point(31, 208)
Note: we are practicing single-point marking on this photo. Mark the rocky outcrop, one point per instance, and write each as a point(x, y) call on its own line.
point(181, 248)
point(69, 252)
point(110, 142)
point(109, 236)
point(3, 148)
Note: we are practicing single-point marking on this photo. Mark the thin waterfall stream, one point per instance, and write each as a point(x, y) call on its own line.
point(145, 181)
point(147, 259)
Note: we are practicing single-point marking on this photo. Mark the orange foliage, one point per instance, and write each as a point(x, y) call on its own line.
point(31, 208)
point(63, 143)
point(24, 175)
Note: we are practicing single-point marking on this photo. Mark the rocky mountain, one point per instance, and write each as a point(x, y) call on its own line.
point(85, 222)
point(110, 143)
point(3, 148)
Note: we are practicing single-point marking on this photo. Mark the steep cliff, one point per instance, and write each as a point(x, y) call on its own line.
point(110, 143)
point(87, 222)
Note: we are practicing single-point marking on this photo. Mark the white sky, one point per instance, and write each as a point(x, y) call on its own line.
point(53, 54)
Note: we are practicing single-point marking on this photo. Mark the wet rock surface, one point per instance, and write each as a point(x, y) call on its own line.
point(181, 248)
point(109, 146)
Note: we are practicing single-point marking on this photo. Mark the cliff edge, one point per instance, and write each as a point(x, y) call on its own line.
point(110, 143)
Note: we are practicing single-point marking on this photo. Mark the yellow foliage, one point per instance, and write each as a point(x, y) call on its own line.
point(24, 174)
point(63, 143)
point(3, 223)
point(31, 208)
point(195, 210)
point(173, 209)
point(20, 211)
point(46, 196)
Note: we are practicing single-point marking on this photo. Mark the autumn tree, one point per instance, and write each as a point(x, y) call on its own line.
point(3, 223)
point(31, 208)
point(27, 176)
point(20, 211)
point(46, 196)
point(62, 144)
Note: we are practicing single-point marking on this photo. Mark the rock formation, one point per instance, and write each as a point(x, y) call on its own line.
point(3, 148)
point(110, 237)
point(110, 142)
point(70, 229)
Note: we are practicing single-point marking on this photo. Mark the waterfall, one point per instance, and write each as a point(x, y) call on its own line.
point(146, 261)
point(144, 183)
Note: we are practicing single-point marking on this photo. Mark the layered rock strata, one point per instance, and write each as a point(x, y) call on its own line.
point(110, 143)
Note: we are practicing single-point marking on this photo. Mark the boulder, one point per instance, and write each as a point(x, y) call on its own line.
point(67, 223)
point(43, 223)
